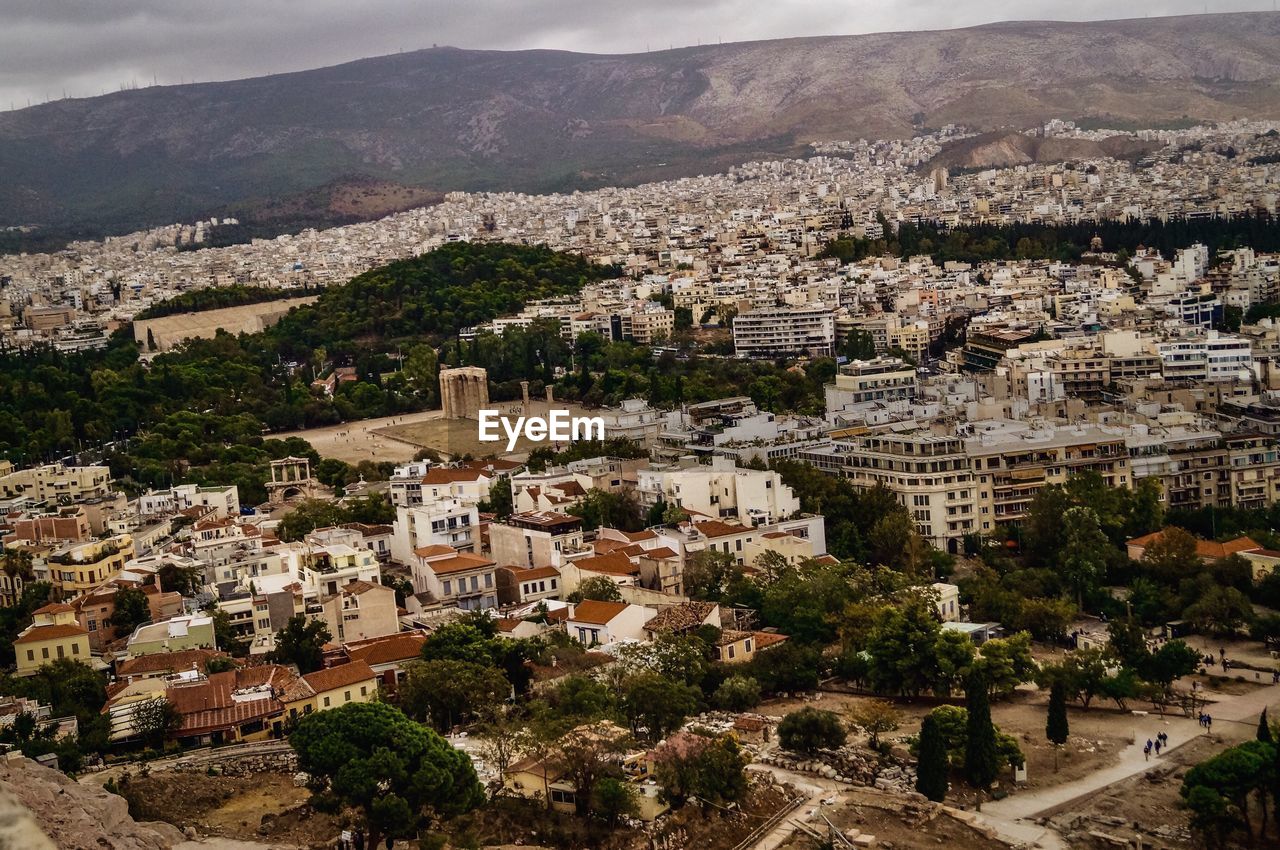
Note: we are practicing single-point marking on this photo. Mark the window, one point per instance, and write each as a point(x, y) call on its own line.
point(747, 645)
point(346, 696)
point(730, 650)
point(44, 652)
point(326, 702)
point(488, 579)
point(75, 649)
point(364, 689)
point(448, 587)
point(31, 655)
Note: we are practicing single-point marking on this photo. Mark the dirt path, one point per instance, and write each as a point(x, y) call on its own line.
point(360, 440)
point(1014, 816)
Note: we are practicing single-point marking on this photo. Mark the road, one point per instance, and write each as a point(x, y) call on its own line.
point(1015, 816)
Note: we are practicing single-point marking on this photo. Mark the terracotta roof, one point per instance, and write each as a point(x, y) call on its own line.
point(596, 611)
point(331, 678)
point(388, 650)
point(534, 572)
point(356, 588)
point(615, 563)
point(433, 550)
point(680, 618)
point(1206, 549)
point(211, 705)
point(54, 608)
point(52, 632)
point(459, 563)
point(635, 536)
point(452, 476)
point(570, 488)
point(764, 640)
point(168, 662)
point(660, 552)
point(715, 528)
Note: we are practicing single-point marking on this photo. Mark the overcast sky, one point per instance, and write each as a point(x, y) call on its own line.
point(86, 47)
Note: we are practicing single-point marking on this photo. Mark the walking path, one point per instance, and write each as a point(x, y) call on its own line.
point(1014, 817)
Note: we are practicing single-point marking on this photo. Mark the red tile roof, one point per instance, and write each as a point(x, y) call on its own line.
point(597, 612)
point(331, 678)
point(38, 633)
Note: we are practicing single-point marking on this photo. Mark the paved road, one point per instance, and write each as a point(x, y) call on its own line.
point(1015, 816)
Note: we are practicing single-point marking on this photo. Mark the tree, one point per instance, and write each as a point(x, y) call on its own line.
point(932, 762)
point(612, 510)
point(694, 764)
point(1220, 611)
point(1006, 662)
point(500, 501)
point(737, 693)
point(601, 588)
point(450, 692)
point(657, 705)
point(587, 754)
point(225, 636)
point(1171, 661)
point(981, 759)
point(301, 642)
point(154, 719)
point(613, 799)
point(809, 730)
point(1084, 559)
point(1235, 774)
point(875, 717)
point(707, 574)
point(895, 543)
point(902, 647)
point(1172, 557)
point(394, 771)
point(309, 515)
point(1056, 727)
point(131, 610)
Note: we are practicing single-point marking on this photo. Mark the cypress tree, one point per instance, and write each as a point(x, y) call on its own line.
point(931, 763)
point(981, 759)
point(1264, 729)
point(1056, 728)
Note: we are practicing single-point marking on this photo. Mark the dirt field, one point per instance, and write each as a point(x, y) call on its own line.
point(399, 438)
point(266, 807)
point(880, 814)
point(1097, 735)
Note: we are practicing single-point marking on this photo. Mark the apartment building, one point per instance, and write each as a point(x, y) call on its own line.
point(1013, 461)
point(1212, 357)
point(877, 380)
point(721, 490)
point(446, 578)
point(441, 522)
point(931, 474)
point(538, 539)
point(56, 484)
point(79, 567)
point(361, 610)
point(785, 331)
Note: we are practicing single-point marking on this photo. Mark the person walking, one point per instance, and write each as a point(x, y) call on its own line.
point(1157, 746)
point(1146, 752)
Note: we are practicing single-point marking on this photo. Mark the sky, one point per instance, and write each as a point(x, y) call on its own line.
point(78, 48)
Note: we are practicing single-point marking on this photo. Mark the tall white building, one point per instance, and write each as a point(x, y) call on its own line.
point(779, 331)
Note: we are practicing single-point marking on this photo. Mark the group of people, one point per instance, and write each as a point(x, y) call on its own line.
point(1206, 722)
point(1161, 741)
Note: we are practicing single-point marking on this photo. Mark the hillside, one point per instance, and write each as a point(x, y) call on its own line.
point(1002, 150)
point(447, 118)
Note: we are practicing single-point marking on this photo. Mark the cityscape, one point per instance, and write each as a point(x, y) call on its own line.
point(876, 490)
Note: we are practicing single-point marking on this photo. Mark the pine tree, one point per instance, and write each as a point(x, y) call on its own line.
point(931, 764)
point(1056, 728)
point(1264, 729)
point(981, 759)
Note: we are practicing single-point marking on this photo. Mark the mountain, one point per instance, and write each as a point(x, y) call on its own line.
point(447, 118)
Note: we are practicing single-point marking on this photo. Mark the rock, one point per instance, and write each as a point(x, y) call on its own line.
point(75, 816)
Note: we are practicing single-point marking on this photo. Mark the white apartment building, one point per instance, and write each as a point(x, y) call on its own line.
point(444, 522)
point(720, 490)
point(1212, 357)
point(861, 381)
point(223, 501)
point(784, 331)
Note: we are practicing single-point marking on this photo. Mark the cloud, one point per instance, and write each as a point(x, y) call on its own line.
point(49, 48)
